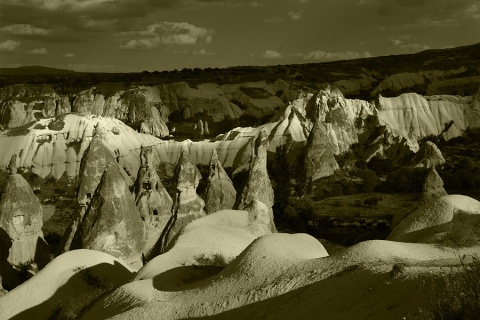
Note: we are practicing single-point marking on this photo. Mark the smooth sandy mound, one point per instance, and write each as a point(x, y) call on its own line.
point(282, 276)
point(271, 253)
point(70, 281)
point(216, 239)
point(435, 220)
point(266, 258)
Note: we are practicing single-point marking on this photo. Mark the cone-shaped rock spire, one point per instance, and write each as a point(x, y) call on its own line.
point(220, 192)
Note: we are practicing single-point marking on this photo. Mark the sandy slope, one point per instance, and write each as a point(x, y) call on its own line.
point(434, 219)
point(282, 276)
point(64, 283)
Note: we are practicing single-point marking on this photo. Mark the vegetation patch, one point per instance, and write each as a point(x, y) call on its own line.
point(20, 130)
point(459, 296)
point(58, 124)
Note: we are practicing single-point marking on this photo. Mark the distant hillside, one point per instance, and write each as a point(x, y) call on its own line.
point(439, 71)
point(32, 70)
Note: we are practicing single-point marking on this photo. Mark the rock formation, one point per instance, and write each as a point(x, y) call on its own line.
point(260, 218)
point(21, 216)
point(187, 205)
point(111, 223)
point(220, 192)
point(152, 200)
point(92, 168)
point(94, 162)
point(258, 185)
point(319, 154)
point(432, 187)
point(428, 156)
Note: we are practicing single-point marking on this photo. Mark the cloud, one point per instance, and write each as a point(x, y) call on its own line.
point(296, 15)
point(9, 45)
point(166, 33)
point(272, 54)
point(323, 55)
point(74, 20)
point(202, 52)
point(69, 55)
point(24, 30)
point(428, 22)
point(38, 51)
point(195, 4)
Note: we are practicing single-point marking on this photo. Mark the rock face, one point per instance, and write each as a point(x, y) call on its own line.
point(428, 156)
point(111, 223)
point(21, 217)
point(319, 154)
point(220, 192)
point(260, 218)
point(432, 187)
point(94, 162)
point(187, 205)
point(258, 186)
point(152, 200)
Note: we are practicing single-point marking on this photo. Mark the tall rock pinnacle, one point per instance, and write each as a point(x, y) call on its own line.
point(111, 223)
point(187, 205)
point(21, 217)
point(152, 200)
point(220, 192)
point(319, 153)
point(258, 186)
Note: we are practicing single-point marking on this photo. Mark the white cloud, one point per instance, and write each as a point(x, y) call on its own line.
point(9, 45)
point(296, 15)
point(473, 11)
point(323, 55)
point(24, 30)
point(69, 55)
point(38, 51)
point(272, 54)
point(202, 52)
point(169, 33)
point(426, 22)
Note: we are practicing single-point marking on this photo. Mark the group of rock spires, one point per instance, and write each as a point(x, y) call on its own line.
point(137, 221)
point(132, 220)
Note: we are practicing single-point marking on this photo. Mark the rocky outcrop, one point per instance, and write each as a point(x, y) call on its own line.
point(319, 154)
point(152, 200)
point(428, 156)
point(21, 217)
point(220, 193)
point(14, 113)
point(432, 188)
point(187, 205)
point(111, 223)
point(260, 218)
point(258, 185)
point(94, 162)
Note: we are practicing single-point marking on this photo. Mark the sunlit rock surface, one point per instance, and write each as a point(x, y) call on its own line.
point(220, 192)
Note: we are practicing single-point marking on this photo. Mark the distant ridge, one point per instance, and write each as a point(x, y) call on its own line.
point(33, 70)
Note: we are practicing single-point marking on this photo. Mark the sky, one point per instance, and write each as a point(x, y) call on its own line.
point(138, 35)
